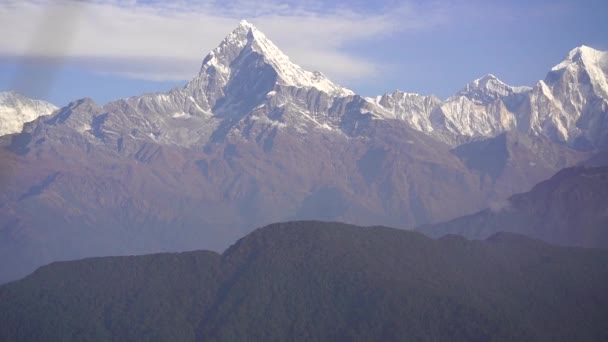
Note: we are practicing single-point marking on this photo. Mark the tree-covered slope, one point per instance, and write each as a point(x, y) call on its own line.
point(320, 281)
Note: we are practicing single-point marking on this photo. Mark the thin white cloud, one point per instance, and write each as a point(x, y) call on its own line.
point(160, 40)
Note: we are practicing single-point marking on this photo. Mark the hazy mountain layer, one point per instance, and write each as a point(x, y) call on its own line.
point(568, 209)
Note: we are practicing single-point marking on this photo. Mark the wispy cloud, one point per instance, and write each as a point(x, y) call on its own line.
point(162, 40)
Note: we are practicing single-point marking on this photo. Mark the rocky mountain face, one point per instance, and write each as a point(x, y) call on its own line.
point(568, 209)
point(115, 195)
point(321, 282)
point(255, 139)
point(16, 109)
point(571, 104)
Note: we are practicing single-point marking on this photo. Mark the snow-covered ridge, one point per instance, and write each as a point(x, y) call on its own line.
point(247, 82)
point(489, 88)
point(16, 110)
point(412, 108)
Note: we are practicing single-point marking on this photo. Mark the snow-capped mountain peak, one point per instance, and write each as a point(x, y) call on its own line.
point(246, 39)
point(245, 24)
point(581, 55)
point(16, 109)
point(570, 105)
point(487, 79)
point(593, 62)
point(489, 88)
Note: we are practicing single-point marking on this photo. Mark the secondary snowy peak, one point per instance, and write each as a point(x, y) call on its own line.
point(488, 89)
point(245, 40)
point(571, 104)
point(581, 55)
point(593, 62)
point(16, 109)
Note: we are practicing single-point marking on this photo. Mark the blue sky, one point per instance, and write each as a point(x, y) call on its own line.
point(61, 50)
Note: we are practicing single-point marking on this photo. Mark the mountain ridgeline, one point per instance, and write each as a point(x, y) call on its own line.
point(254, 139)
point(570, 209)
point(323, 282)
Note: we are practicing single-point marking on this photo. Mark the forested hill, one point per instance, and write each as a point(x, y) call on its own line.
point(320, 281)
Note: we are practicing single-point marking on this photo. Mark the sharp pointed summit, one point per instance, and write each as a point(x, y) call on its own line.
point(248, 46)
point(581, 55)
point(246, 24)
point(584, 59)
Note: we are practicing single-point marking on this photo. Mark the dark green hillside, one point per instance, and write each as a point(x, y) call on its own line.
point(321, 281)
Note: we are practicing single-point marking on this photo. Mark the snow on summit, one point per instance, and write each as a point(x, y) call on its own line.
point(247, 39)
point(489, 88)
point(247, 82)
point(16, 110)
point(594, 62)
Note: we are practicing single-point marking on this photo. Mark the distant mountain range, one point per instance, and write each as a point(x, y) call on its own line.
point(255, 139)
point(322, 282)
point(571, 209)
point(247, 75)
